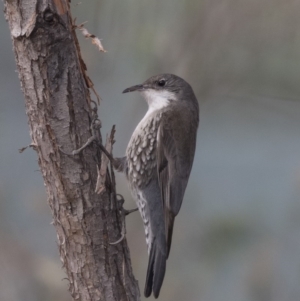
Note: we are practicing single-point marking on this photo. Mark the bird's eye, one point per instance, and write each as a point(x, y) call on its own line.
point(161, 82)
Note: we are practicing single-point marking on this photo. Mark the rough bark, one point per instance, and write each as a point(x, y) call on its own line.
point(58, 106)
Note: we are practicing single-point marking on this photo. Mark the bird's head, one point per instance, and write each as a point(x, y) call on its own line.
point(164, 89)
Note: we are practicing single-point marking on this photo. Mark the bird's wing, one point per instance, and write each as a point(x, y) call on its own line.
point(174, 162)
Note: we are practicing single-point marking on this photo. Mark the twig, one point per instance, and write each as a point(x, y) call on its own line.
point(105, 158)
point(32, 145)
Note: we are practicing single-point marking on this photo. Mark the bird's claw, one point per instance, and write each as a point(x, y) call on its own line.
point(124, 213)
point(119, 240)
point(68, 154)
point(95, 126)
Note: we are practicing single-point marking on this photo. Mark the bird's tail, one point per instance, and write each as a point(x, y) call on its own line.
point(156, 270)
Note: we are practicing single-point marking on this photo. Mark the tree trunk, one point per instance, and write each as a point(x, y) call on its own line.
point(58, 106)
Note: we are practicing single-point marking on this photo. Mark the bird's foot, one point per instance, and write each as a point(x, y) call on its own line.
point(95, 127)
point(93, 138)
point(123, 213)
point(127, 212)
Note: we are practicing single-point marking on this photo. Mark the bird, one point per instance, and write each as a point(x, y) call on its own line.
point(158, 162)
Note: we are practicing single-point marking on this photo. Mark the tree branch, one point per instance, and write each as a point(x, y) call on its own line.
point(56, 88)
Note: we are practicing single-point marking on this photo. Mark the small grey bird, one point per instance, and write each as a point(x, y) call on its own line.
point(158, 163)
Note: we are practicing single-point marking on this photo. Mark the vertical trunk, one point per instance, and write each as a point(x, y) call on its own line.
point(58, 106)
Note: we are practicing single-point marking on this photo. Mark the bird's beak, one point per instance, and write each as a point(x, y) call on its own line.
point(134, 88)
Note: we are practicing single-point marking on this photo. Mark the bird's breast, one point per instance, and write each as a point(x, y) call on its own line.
point(141, 151)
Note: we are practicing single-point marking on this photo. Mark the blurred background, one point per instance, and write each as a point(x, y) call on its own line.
point(237, 236)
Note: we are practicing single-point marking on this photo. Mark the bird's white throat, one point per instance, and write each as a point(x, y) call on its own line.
point(157, 100)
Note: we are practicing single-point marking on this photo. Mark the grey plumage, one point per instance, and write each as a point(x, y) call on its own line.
point(158, 163)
